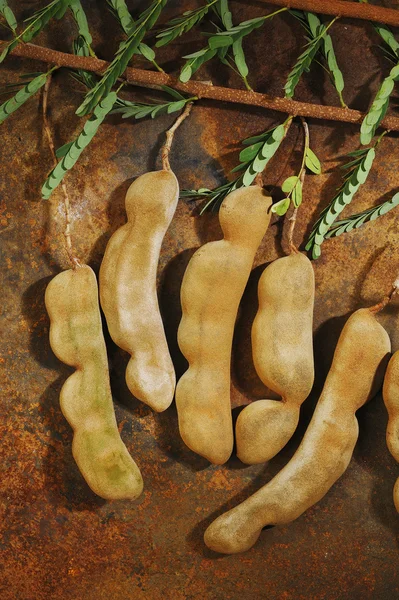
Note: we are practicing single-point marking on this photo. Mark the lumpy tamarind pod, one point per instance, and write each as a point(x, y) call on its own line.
point(282, 349)
point(76, 339)
point(128, 291)
point(355, 376)
point(212, 287)
point(390, 394)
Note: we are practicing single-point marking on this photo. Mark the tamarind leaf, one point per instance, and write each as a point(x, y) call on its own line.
point(81, 21)
point(180, 25)
point(378, 107)
point(63, 150)
point(296, 195)
point(359, 219)
point(9, 16)
point(389, 39)
point(126, 50)
point(71, 156)
point(356, 177)
point(289, 184)
point(281, 207)
point(194, 62)
point(260, 149)
point(123, 14)
point(139, 110)
point(312, 162)
point(316, 30)
point(24, 94)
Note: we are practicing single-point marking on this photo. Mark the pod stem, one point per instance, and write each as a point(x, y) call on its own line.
point(386, 299)
point(47, 129)
point(302, 173)
point(170, 135)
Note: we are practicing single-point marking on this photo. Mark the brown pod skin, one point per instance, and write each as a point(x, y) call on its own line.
point(390, 393)
point(76, 338)
point(128, 291)
point(211, 291)
point(355, 376)
point(282, 348)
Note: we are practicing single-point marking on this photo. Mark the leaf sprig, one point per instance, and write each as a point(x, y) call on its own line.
point(357, 169)
point(71, 152)
point(314, 28)
point(22, 96)
point(223, 40)
point(126, 50)
point(254, 158)
point(122, 13)
point(182, 24)
point(317, 32)
point(9, 16)
point(37, 22)
point(139, 110)
point(356, 221)
point(379, 107)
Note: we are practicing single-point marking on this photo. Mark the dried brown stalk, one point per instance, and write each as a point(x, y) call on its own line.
point(170, 135)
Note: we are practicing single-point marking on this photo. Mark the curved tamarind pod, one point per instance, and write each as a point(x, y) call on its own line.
point(326, 449)
point(76, 338)
point(212, 287)
point(128, 291)
point(390, 394)
point(282, 348)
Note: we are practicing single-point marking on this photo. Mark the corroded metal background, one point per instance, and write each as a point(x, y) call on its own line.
point(58, 540)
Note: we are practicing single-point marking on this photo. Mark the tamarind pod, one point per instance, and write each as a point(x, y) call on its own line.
point(128, 291)
point(282, 348)
point(76, 339)
point(356, 374)
point(390, 392)
point(211, 290)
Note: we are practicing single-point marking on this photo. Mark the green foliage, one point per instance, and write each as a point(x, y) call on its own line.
point(22, 96)
point(220, 42)
point(71, 152)
point(139, 110)
point(88, 79)
point(356, 221)
point(7, 13)
point(126, 50)
point(81, 21)
point(180, 25)
point(254, 158)
point(315, 29)
point(357, 173)
point(379, 107)
point(37, 22)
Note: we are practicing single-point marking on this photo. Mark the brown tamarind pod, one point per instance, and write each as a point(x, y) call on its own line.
point(355, 376)
point(128, 291)
point(390, 394)
point(211, 291)
point(77, 339)
point(282, 349)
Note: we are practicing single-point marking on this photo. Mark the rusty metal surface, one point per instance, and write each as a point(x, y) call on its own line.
point(57, 539)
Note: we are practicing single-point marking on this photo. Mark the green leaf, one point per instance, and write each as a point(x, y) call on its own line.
point(296, 195)
point(312, 162)
point(126, 50)
point(7, 13)
point(289, 184)
point(29, 90)
point(281, 207)
point(81, 21)
point(76, 148)
point(147, 52)
point(122, 12)
point(63, 150)
point(172, 92)
point(180, 25)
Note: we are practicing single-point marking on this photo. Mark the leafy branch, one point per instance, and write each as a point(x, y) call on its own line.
point(222, 40)
point(182, 24)
point(254, 158)
point(139, 110)
point(356, 221)
point(379, 107)
point(293, 185)
point(317, 32)
point(23, 95)
point(70, 153)
point(122, 13)
point(126, 50)
point(314, 27)
point(357, 172)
